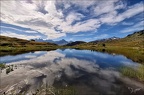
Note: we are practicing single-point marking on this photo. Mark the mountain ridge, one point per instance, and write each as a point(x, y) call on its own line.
point(60, 42)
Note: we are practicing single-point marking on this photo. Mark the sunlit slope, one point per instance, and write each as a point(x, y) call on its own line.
point(133, 40)
point(8, 41)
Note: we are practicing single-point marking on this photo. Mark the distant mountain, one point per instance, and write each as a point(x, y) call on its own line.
point(135, 39)
point(103, 40)
point(75, 43)
point(50, 41)
point(114, 38)
point(60, 42)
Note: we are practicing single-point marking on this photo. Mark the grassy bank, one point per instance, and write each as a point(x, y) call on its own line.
point(7, 50)
point(11, 46)
point(134, 53)
point(132, 73)
point(2, 66)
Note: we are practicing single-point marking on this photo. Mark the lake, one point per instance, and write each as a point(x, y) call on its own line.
point(81, 72)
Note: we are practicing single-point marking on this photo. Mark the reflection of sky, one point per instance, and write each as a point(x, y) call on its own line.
point(76, 67)
point(102, 59)
point(20, 57)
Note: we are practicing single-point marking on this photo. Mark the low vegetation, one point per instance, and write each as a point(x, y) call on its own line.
point(132, 73)
point(14, 46)
point(9, 69)
point(2, 65)
point(15, 42)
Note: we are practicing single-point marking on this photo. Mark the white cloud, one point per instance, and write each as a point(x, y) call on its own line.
point(27, 16)
point(130, 12)
point(11, 28)
point(43, 16)
point(101, 36)
point(138, 26)
point(114, 17)
point(131, 29)
point(108, 18)
point(84, 26)
point(79, 35)
point(73, 16)
point(127, 23)
point(10, 34)
point(16, 29)
point(108, 7)
point(30, 31)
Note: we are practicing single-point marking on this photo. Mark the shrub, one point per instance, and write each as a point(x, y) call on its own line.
point(8, 70)
point(103, 45)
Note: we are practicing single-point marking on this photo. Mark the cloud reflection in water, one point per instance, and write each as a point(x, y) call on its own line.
point(94, 71)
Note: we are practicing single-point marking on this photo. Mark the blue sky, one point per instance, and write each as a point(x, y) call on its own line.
point(72, 20)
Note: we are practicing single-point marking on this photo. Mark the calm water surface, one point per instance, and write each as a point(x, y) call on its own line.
point(87, 72)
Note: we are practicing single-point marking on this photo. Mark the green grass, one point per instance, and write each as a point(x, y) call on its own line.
point(14, 46)
point(9, 68)
point(15, 42)
point(134, 53)
point(132, 73)
point(5, 50)
point(2, 65)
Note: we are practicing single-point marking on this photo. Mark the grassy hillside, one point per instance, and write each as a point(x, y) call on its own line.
point(133, 40)
point(132, 46)
point(8, 41)
point(10, 45)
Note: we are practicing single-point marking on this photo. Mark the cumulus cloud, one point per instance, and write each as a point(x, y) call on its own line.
point(16, 29)
point(74, 17)
point(21, 36)
point(130, 12)
point(10, 28)
point(68, 16)
point(127, 23)
point(136, 27)
point(113, 17)
point(108, 7)
point(102, 36)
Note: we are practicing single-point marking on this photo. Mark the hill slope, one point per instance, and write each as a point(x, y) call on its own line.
point(133, 40)
point(12, 46)
point(15, 42)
